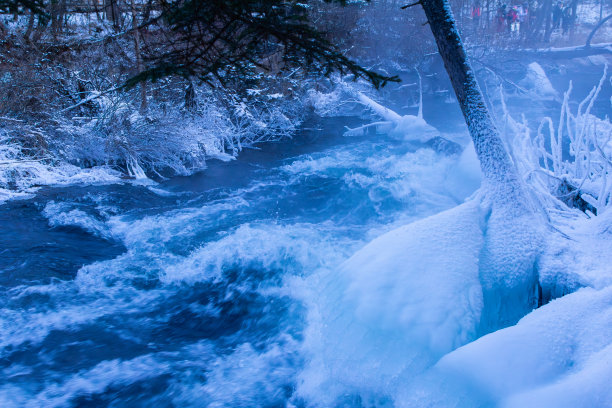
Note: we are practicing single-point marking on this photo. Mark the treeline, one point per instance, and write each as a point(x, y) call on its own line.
point(56, 54)
point(161, 86)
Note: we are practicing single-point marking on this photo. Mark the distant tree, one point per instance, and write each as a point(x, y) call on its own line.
point(602, 21)
point(22, 6)
point(35, 8)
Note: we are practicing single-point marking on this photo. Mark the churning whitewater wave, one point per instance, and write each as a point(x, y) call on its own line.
point(204, 297)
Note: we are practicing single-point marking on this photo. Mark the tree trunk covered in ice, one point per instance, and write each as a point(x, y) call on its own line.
point(512, 240)
point(494, 159)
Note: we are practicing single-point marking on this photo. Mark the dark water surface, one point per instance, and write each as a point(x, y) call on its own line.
point(183, 293)
point(190, 292)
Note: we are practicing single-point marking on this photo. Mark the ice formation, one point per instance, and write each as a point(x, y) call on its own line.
point(537, 83)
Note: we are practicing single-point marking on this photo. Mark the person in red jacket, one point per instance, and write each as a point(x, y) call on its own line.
point(476, 12)
point(512, 19)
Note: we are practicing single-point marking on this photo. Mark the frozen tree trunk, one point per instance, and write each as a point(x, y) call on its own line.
point(512, 238)
point(54, 15)
point(494, 159)
point(61, 15)
point(111, 10)
point(190, 98)
point(139, 65)
point(30, 27)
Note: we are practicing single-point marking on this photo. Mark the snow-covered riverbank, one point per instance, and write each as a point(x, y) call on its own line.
point(264, 281)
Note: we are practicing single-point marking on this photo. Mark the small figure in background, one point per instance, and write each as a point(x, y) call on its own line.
point(512, 19)
point(500, 18)
point(557, 13)
point(476, 13)
point(568, 19)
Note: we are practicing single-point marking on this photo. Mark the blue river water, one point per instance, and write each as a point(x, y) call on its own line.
point(192, 291)
point(195, 291)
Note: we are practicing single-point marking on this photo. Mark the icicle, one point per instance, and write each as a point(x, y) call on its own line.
point(557, 152)
point(134, 169)
point(420, 113)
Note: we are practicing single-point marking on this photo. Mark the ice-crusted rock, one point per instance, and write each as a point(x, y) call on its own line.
point(537, 83)
point(396, 306)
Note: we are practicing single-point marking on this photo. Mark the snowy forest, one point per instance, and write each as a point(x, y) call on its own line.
point(316, 203)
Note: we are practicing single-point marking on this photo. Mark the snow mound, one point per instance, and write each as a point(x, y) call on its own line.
point(582, 241)
point(410, 127)
point(393, 278)
point(537, 83)
point(395, 307)
point(557, 356)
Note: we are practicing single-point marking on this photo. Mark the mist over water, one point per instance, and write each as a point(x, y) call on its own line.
point(200, 290)
point(192, 292)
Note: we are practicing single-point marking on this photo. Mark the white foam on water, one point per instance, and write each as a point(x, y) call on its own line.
point(246, 377)
point(292, 249)
point(61, 214)
point(152, 232)
point(72, 307)
point(294, 259)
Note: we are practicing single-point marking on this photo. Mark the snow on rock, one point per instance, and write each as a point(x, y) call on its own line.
point(21, 178)
point(410, 127)
point(597, 60)
point(401, 270)
point(538, 83)
point(557, 356)
point(395, 307)
point(324, 104)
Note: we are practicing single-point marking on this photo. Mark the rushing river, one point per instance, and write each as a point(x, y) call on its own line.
point(199, 291)
point(195, 291)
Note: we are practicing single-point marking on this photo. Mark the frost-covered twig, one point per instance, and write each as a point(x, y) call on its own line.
point(588, 162)
point(11, 119)
point(90, 98)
